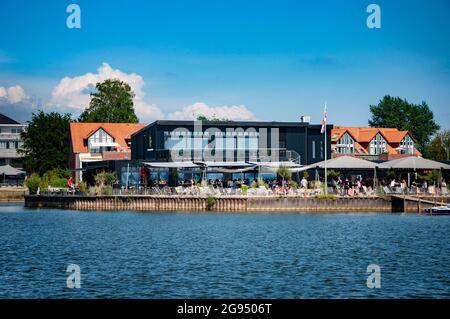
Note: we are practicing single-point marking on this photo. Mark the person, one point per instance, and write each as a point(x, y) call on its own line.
point(304, 183)
point(392, 185)
point(70, 184)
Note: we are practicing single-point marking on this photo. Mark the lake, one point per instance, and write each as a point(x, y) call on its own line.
point(222, 255)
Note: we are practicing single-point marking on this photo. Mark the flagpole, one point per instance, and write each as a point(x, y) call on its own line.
point(325, 147)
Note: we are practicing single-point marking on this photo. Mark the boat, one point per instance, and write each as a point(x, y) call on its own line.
point(438, 210)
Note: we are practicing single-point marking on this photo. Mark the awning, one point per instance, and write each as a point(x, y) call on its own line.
point(413, 162)
point(288, 164)
point(104, 144)
point(10, 171)
point(225, 164)
point(171, 164)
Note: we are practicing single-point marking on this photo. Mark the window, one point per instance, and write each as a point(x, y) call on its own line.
point(377, 145)
point(346, 145)
point(407, 145)
point(100, 137)
point(4, 144)
point(150, 142)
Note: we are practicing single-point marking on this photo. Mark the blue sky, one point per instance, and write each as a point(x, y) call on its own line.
point(269, 60)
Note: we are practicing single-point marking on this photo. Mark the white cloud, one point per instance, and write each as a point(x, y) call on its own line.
point(73, 92)
point(234, 112)
point(13, 94)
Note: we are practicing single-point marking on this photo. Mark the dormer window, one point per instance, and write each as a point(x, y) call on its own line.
point(407, 145)
point(346, 144)
point(100, 142)
point(377, 145)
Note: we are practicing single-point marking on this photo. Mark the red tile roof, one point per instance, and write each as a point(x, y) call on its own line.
point(119, 131)
point(366, 134)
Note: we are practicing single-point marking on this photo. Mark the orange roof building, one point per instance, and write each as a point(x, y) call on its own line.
point(91, 142)
point(371, 142)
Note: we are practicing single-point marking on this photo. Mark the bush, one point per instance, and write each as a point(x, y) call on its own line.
point(82, 187)
point(327, 196)
point(104, 181)
point(210, 202)
point(293, 184)
point(244, 189)
point(32, 182)
point(262, 183)
point(107, 190)
point(55, 178)
point(93, 190)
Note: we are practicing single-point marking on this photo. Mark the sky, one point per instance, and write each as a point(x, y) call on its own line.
point(242, 60)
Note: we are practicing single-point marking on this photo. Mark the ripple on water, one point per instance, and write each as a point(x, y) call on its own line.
point(177, 255)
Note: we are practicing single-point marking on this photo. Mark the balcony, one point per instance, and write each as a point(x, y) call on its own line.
point(8, 153)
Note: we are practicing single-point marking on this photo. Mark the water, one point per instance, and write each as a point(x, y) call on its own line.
point(201, 255)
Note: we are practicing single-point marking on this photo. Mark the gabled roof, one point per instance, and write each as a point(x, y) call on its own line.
point(119, 131)
point(366, 134)
point(7, 120)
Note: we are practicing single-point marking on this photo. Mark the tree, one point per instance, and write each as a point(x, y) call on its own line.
point(214, 119)
point(112, 103)
point(398, 113)
point(45, 142)
point(439, 148)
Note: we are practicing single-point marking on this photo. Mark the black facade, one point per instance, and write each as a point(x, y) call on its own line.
point(235, 141)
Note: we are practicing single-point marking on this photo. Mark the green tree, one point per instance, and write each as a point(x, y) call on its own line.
point(214, 119)
point(112, 103)
point(439, 147)
point(45, 142)
point(399, 113)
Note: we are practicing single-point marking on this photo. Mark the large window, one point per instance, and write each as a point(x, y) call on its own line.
point(377, 145)
point(407, 145)
point(98, 138)
point(346, 145)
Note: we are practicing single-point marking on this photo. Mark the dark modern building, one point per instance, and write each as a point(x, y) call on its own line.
point(177, 150)
point(174, 141)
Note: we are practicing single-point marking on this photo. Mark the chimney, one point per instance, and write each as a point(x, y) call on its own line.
point(305, 119)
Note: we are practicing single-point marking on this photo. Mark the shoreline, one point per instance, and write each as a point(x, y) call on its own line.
point(389, 204)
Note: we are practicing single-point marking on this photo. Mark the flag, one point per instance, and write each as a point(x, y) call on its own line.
point(324, 121)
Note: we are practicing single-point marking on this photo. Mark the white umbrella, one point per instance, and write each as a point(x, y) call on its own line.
point(340, 162)
point(11, 171)
point(413, 162)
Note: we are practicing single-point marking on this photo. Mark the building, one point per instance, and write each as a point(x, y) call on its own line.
point(229, 141)
point(372, 143)
point(93, 142)
point(10, 141)
point(175, 150)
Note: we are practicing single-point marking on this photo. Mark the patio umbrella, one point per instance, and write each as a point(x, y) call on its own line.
point(412, 162)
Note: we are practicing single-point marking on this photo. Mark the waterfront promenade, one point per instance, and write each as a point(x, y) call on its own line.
point(235, 203)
